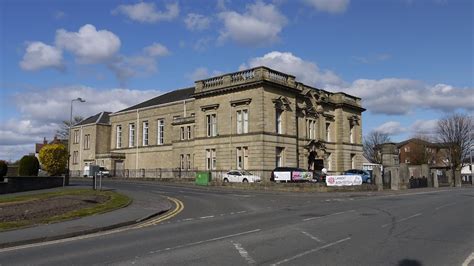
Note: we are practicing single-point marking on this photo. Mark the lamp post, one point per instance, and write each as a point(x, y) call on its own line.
point(79, 99)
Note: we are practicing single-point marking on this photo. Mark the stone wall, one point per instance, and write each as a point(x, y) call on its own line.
point(27, 183)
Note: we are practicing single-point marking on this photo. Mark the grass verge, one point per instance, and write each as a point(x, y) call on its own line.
point(115, 201)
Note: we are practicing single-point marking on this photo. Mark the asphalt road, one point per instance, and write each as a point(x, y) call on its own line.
point(223, 227)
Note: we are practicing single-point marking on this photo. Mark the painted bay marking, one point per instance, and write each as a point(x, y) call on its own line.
point(468, 260)
point(332, 214)
point(206, 217)
point(311, 251)
point(401, 220)
point(312, 237)
point(244, 253)
point(207, 241)
point(445, 205)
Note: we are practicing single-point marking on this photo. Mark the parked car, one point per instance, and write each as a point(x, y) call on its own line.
point(104, 172)
point(240, 176)
point(366, 177)
point(291, 174)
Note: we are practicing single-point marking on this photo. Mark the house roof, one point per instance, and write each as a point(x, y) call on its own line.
point(173, 96)
point(100, 118)
point(424, 142)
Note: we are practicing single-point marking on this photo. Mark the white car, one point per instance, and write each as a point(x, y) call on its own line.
point(240, 176)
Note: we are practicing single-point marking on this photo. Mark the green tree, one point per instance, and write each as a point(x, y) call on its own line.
point(29, 166)
point(53, 158)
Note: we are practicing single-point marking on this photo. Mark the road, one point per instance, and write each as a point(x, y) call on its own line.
point(224, 227)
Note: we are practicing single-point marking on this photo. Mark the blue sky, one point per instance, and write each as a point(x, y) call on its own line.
point(410, 61)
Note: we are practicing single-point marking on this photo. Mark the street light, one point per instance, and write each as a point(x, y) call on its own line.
point(79, 99)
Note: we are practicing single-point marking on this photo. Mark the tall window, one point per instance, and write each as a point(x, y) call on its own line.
point(188, 161)
point(188, 132)
point(310, 129)
point(242, 158)
point(161, 132)
point(182, 133)
point(351, 134)
point(87, 139)
point(211, 159)
point(278, 121)
point(328, 131)
point(119, 137)
point(279, 156)
point(242, 121)
point(131, 135)
point(76, 136)
point(211, 123)
point(181, 161)
point(75, 157)
point(329, 162)
point(145, 133)
point(353, 161)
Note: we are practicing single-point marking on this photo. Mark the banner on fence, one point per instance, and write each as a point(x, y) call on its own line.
point(343, 180)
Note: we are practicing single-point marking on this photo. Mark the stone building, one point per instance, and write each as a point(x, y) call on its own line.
point(254, 119)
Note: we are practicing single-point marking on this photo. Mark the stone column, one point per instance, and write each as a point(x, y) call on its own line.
point(425, 171)
point(403, 176)
point(434, 176)
point(394, 177)
point(377, 175)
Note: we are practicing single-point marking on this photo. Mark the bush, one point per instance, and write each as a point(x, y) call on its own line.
point(53, 158)
point(3, 168)
point(29, 166)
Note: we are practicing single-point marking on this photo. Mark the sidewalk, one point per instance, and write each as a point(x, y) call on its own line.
point(143, 206)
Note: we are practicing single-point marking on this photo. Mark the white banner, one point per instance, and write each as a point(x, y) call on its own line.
point(343, 180)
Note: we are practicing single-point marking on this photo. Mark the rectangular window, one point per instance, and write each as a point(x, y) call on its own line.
point(279, 156)
point(145, 133)
point(131, 135)
point(242, 158)
point(161, 132)
point(351, 134)
point(211, 159)
point(119, 137)
point(182, 135)
point(310, 129)
point(211, 124)
point(242, 121)
point(181, 161)
point(407, 149)
point(188, 161)
point(76, 136)
point(87, 139)
point(75, 157)
point(328, 131)
point(278, 121)
point(188, 131)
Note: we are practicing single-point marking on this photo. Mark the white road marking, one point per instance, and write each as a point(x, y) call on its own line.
point(468, 260)
point(241, 212)
point(312, 237)
point(187, 219)
point(206, 217)
point(207, 241)
point(445, 205)
point(401, 220)
point(332, 214)
point(244, 253)
point(311, 251)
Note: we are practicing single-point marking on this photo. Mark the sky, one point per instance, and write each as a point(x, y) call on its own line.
point(411, 61)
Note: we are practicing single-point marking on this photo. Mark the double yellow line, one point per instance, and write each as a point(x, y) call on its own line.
point(179, 208)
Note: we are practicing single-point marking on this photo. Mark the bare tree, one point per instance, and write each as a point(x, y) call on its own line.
point(456, 132)
point(63, 131)
point(370, 141)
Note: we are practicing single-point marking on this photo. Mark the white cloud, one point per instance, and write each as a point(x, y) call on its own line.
point(196, 22)
point(259, 25)
point(424, 127)
point(203, 73)
point(202, 44)
point(41, 113)
point(392, 96)
point(156, 49)
point(305, 71)
point(39, 55)
point(330, 6)
point(147, 12)
point(88, 44)
point(391, 128)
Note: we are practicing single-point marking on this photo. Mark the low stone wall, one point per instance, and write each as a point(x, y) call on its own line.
point(27, 183)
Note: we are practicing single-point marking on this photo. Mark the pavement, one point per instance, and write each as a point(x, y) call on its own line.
point(143, 206)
